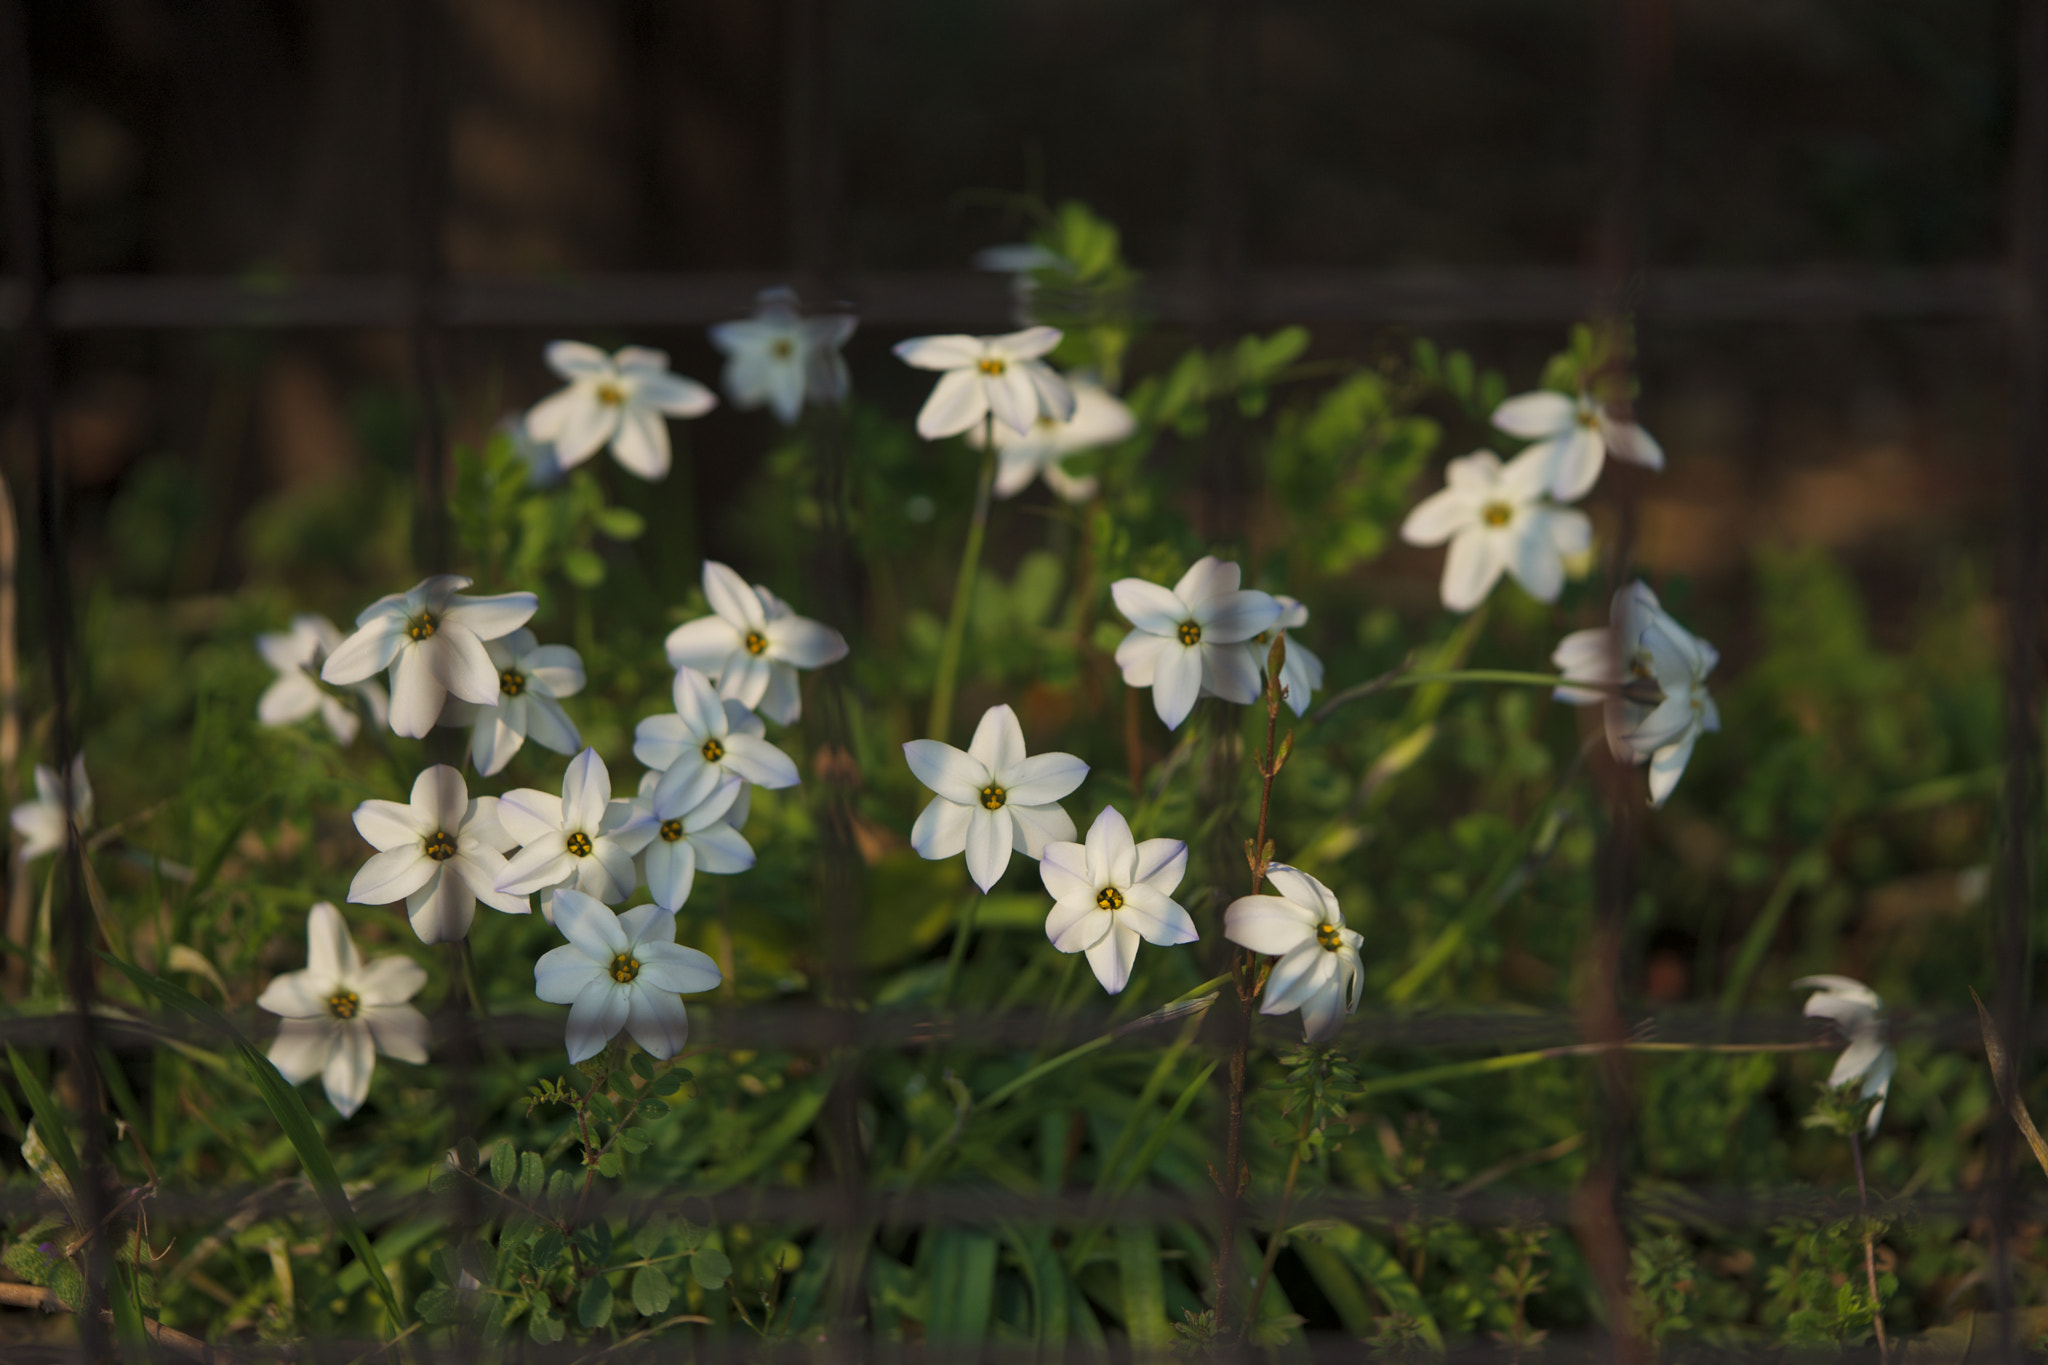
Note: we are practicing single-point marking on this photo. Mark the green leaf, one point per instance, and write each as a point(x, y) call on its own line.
point(583, 566)
point(619, 523)
point(612, 1164)
point(651, 1291)
point(547, 1249)
point(652, 1109)
point(649, 1238)
point(642, 1067)
point(710, 1268)
point(594, 1309)
point(49, 1120)
point(544, 1327)
point(1144, 1285)
point(504, 1164)
point(533, 1177)
point(436, 1305)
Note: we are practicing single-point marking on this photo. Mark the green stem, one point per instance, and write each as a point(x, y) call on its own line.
point(1398, 678)
point(1074, 1054)
point(1515, 1061)
point(941, 719)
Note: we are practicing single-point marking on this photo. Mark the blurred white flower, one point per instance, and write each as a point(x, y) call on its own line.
point(1651, 676)
point(40, 822)
point(620, 971)
point(1301, 673)
point(297, 655)
point(709, 731)
point(1573, 439)
point(1100, 418)
point(1859, 1014)
point(781, 358)
point(433, 643)
point(340, 1012)
point(1318, 971)
point(440, 854)
point(684, 820)
point(623, 399)
point(1001, 375)
point(1497, 521)
point(581, 838)
point(1190, 639)
point(543, 470)
point(992, 798)
point(531, 676)
point(1110, 892)
point(753, 645)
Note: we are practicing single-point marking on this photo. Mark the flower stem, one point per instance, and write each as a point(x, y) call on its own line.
point(1869, 1249)
point(1279, 1234)
point(963, 592)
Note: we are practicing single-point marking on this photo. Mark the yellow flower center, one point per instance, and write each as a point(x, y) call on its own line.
point(579, 844)
point(992, 797)
point(1109, 898)
point(712, 750)
point(1497, 514)
point(1190, 633)
point(671, 830)
point(611, 395)
point(440, 846)
point(991, 366)
point(511, 682)
point(344, 1004)
point(756, 642)
point(1588, 418)
point(421, 627)
point(782, 348)
point(1328, 936)
point(624, 968)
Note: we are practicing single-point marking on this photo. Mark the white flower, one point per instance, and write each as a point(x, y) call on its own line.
point(40, 822)
point(1001, 375)
point(1497, 521)
point(709, 731)
point(1111, 892)
point(1100, 418)
point(440, 854)
point(543, 470)
point(991, 798)
point(753, 645)
point(1318, 972)
point(531, 676)
point(1651, 674)
point(1190, 639)
point(620, 971)
point(1574, 438)
point(779, 358)
point(684, 823)
point(581, 837)
point(339, 1013)
point(1859, 1014)
point(1301, 672)
point(623, 399)
point(297, 654)
point(433, 643)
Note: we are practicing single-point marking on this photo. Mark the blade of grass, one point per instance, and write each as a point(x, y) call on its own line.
point(1994, 1052)
point(1807, 869)
point(49, 1120)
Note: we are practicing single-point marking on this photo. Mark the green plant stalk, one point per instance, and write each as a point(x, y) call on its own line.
point(1869, 1247)
point(1278, 1236)
point(1808, 869)
point(1514, 1061)
point(939, 724)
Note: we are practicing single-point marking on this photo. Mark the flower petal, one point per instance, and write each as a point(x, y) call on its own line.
point(759, 762)
point(941, 829)
point(561, 974)
point(1208, 577)
point(366, 653)
point(1112, 957)
point(1234, 617)
point(640, 445)
point(803, 643)
point(586, 791)
point(441, 799)
point(1176, 683)
point(657, 1021)
point(416, 694)
point(1042, 778)
point(528, 815)
point(1076, 926)
point(673, 395)
point(706, 644)
point(490, 618)
point(674, 967)
point(302, 1047)
point(1063, 867)
point(721, 849)
point(390, 980)
point(1268, 924)
point(390, 824)
point(1533, 416)
point(391, 876)
point(1033, 827)
point(1138, 655)
point(988, 845)
point(1155, 917)
point(1161, 864)
point(951, 352)
point(346, 1076)
point(1028, 344)
point(957, 402)
point(998, 743)
point(442, 910)
point(398, 1031)
point(1149, 607)
point(1231, 672)
point(957, 776)
point(1470, 570)
point(595, 1017)
point(1438, 517)
point(461, 663)
point(296, 995)
point(578, 360)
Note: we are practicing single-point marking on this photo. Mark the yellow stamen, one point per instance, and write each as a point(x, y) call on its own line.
point(579, 844)
point(1497, 514)
point(511, 682)
point(421, 627)
point(440, 846)
point(624, 968)
point(1190, 633)
point(712, 750)
point(671, 830)
point(1109, 898)
point(756, 642)
point(1329, 937)
point(344, 1004)
point(992, 797)
point(992, 367)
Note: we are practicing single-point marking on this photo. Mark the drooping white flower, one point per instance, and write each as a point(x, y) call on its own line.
point(433, 643)
point(753, 645)
point(1859, 1014)
point(1100, 418)
point(683, 821)
point(1301, 672)
point(297, 655)
point(440, 854)
point(1318, 971)
point(1651, 675)
point(1191, 637)
point(780, 358)
point(982, 375)
point(1498, 521)
point(623, 399)
point(992, 798)
point(709, 731)
point(620, 971)
point(1573, 439)
point(40, 822)
point(581, 838)
point(1110, 892)
point(340, 1012)
point(531, 676)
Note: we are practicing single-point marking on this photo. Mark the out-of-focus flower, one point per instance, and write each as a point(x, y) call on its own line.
point(1651, 675)
point(581, 838)
point(782, 359)
point(753, 645)
point(40, 822)
point(1100, 418)
point(1573, 439)
point(433, 643)
point(531, 676)
point(1111, 892)
point(297, 655)
point(684, 823)
point(623, 400)
point(620, 972)
point(340, 1012)
point(1301, 673)
point(1497, 521)
point(1001, 375)
point(1859, 1014)
point(1190, 638)
point(992, 798)
point(440, 854)
point(1318, 971)
point(543, 470)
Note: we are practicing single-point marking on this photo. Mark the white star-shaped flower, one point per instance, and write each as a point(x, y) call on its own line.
point(1318, 971)
point(992, 798)
point(40, 822)
point(1001, 375)
point(1100, 418)
point(1301, 673)
point(780, 358)
point(440, 854)
point(1651, 674)
point(433, 643)
point(685, 819)
point(753, 645)
point(623, 399)
point(1573, 439)
point(709, 731)
point(1191, 638)
point(581, 838)
point(297, 655)
point(339, 1013)
point(531, 676)
point(1859, 1014)
point(1498, 521)
point(620, 971)
point(1110, 892)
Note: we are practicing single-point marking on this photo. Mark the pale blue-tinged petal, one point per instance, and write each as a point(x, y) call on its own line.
point(672, 395)
point(1138, 655)
point(699, 708)
point(1063, 867)
point(746, 678)
point(1322, 1014)
point(1230, 672)
point(1011, 398)
point(1111, 958)
point(500, 732)
point(640, 444)
point(958, 401)
point(1155, 917)
point(1470, 570)
point(1627, 441)
point(647, 924)
point(391, 876)
point(549, 726)
point(1532, 558)
point(586, 923)
point(998, 743)
point(367, 652)
point(489, 618)
point(1438, 517)
point(297, 995)
point(952, 352)
point(441, 798)
point(608, 873)
point(706, 644)
point(562, 973)
point(390, 824)
point(460, 663)
point(586, 791)
point(1298, 974)
point(941, 829)
point(291, 698)
point(578, 360)
point(1234, 617)
point(671, 871)
point(1269, 924)
point(398, 1031)
point(1161, 863)
point(1207, 577)
point(721, 849)
point(595, 1017)
point(416, 694)
point(346, 1077)
point(1667, 765)
point(989, 833)
point(1033, 827)
point(302, 1047)
point(803, 643)
point(575, 422)
point(663, 740)
point(1176, 683)
point(673, 967)
point(481, 869)
point(1075, 926)
point(1029, 344)
point(657, 1021)
point(759, 762)
point(1054, 395)
point(1149, 607)
point(442, 910)
point(528, 815)
point(1305, 891)
point(1041, 778)
point(953, 774)
point(782, 701)
point(1576, 463)
point(686, 785)
point(1535, 415)
point(541, 865)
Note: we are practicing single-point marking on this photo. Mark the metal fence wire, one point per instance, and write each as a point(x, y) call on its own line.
point(37, 309)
